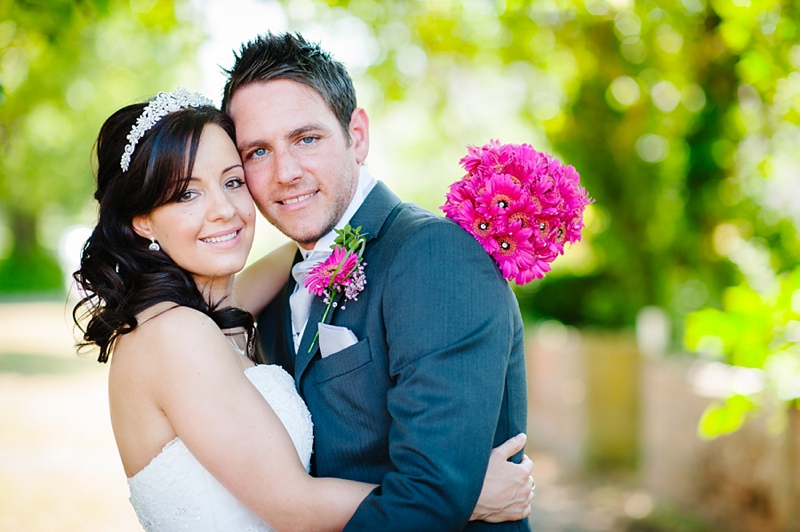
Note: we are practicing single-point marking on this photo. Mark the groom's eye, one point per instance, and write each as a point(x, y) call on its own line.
point(254, 154)
point(307, 140)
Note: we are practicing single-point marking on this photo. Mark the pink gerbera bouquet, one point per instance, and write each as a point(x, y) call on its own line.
point(520, 204)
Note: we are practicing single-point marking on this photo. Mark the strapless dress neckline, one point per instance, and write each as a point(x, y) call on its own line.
point(175, 492)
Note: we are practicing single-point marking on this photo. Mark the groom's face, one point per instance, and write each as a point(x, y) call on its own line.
point(301, 167)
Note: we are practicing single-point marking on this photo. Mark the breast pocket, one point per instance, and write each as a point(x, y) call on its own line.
point(343, 362)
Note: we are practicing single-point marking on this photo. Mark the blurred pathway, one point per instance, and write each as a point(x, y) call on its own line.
point(568, 503)
point(59, 469)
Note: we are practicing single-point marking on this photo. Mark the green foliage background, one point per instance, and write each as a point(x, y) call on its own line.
point(64, 67)
point(681, 116)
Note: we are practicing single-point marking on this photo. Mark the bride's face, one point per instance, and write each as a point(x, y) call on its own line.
point(209, 230)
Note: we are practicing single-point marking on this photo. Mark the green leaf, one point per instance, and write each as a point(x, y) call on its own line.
point(743, 299)
point(723, 418)
point(712, 322)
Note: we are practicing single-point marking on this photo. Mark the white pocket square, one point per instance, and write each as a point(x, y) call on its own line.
point(333, 339)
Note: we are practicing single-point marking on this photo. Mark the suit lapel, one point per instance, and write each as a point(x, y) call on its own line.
point(374, 211)
point(303, 356)
point(287, 319)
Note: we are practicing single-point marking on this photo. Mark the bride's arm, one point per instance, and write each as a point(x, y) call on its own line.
point(229, 427)
point(260, 282)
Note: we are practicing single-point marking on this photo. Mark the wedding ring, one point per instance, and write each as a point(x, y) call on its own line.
point(533, 484)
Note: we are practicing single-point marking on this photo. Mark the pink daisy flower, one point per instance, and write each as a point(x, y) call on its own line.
point(460, 192)
point(499, 193)
point(480, 226)
point(515, 255)
point(333, 272)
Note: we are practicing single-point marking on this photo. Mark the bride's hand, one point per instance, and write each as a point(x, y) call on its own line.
point(507, 490)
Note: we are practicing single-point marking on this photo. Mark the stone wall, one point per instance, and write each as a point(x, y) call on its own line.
point(597, 405)
point(744, 481)
point(583, 396)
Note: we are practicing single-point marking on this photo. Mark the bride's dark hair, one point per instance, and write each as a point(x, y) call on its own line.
point(119, 276)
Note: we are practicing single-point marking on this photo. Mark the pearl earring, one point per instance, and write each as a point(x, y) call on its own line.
point(154, 245)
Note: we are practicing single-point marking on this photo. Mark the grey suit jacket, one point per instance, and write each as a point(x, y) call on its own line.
point(435, 381)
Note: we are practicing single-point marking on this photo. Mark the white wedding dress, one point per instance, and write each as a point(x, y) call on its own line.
point(174, 492)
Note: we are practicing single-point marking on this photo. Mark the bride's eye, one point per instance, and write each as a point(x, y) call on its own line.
point(187, 196)
point(234, 183)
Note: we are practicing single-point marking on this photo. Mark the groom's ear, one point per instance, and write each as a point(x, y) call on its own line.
point(359, 133)
point(141, 226)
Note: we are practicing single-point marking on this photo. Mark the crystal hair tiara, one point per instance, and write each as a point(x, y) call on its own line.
point(163, 104)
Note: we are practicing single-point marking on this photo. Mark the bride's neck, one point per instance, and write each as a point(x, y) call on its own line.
point(216, 290)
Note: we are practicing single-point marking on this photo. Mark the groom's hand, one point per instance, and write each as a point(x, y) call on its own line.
point(507, 490)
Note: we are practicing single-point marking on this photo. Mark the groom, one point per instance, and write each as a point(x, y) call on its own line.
point(411, 385)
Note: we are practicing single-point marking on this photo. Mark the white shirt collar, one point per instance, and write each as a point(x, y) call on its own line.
point(365, 184)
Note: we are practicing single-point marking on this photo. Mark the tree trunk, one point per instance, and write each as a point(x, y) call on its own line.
point(29, 268)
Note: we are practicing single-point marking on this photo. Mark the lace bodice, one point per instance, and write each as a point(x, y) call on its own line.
point(174, 492)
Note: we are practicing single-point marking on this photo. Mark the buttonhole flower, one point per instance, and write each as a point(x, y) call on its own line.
point(341, 273)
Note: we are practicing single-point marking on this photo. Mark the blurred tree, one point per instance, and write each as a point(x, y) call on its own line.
point(649, 100)
point(758, 324)
point(64, 67)
point(759, 331)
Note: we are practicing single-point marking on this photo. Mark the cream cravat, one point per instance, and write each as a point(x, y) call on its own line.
point(300, 300)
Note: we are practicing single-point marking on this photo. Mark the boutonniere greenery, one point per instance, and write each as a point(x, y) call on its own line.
point(341, 273)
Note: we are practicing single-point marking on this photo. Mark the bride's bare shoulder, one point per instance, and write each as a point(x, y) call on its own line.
point(167, 333)
point(164, 317)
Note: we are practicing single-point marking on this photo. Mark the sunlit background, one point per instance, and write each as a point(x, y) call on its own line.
point(663, 360)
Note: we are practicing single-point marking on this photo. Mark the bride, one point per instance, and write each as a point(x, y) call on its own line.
point(208, 439)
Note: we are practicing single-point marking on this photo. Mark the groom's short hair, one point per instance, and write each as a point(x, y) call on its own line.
point(286, 56)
